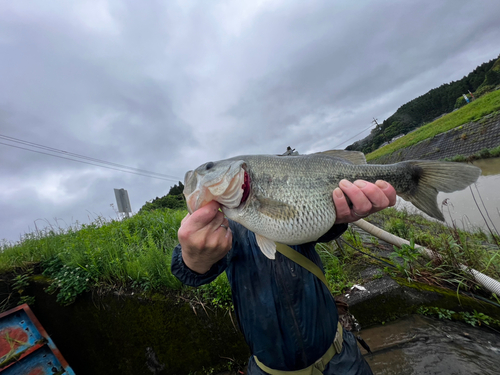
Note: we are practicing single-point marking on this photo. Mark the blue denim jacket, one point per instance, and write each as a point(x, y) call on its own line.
point(287, 315)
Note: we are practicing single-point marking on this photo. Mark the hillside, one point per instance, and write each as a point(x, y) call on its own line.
point(431, 105)
point(476, 110)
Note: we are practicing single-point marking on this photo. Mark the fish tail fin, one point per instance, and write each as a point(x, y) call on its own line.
point(431, 177)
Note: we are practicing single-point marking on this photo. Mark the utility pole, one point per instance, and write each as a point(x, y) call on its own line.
point(377, 125)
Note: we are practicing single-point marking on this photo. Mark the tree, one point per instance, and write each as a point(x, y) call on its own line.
point(173, 200)
point(434, 103)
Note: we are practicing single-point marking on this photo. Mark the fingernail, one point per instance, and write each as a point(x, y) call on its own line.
point(382, 184)
point(360, 184)
point(345, 184)
point(338, 193)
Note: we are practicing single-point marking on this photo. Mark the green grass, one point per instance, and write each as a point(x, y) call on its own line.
point(336, 271)
point(475, 249)
point(135, 253)
point(474, 111)
point(485, 153)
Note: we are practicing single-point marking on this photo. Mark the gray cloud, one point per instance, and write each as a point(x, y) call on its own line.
point(165, 87)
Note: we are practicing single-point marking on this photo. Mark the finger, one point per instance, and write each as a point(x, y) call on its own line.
point(218, 222)
point(225, 222)
point(229, 237)
point(342, 208)
point(220, 238)
point(374, 194)
point(204, 216)
point(361, 204)
point(388, 190)
point(185, 219)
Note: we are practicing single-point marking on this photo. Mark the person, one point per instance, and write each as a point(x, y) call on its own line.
point(287, 315)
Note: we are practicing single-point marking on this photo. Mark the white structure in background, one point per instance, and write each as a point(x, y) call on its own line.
point(123, 202)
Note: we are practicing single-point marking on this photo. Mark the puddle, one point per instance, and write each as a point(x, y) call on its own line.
point(421, 345)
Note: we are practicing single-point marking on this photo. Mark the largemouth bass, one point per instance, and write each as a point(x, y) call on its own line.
point(288, 199)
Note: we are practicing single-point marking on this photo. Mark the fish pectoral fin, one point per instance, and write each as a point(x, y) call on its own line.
point(267, 246)
point(355, 157)
point(276, 209)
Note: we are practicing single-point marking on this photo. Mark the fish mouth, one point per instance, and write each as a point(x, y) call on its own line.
point(230, 190)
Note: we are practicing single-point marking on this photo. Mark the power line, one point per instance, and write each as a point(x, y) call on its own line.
point(87, 162)
point(51, 149)
point(353, 136)
point(84, 162)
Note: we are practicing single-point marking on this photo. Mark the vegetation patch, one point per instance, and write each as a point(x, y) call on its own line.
point(485, 153)
point(134, 253)
point(453, 247)
point(487, 104)
point(473, 318)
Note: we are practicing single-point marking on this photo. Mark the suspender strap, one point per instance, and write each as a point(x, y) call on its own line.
point(316, 368)
point(301, 260)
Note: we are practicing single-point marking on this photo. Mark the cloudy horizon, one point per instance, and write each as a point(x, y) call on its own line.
point(167, 86)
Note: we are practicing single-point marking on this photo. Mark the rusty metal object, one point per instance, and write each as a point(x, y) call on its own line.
point(26, 348)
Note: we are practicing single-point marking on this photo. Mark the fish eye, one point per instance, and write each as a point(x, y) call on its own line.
point(209, 165)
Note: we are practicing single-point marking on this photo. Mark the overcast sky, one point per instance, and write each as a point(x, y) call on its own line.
point(165, 86)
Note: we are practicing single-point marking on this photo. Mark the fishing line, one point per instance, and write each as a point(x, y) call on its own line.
point(371, 256)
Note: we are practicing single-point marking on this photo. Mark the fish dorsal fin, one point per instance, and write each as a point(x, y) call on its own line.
point(267, 246)
point(275, 209)
point(355, 157)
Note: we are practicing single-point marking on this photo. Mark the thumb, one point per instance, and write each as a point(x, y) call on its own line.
point(204, 215)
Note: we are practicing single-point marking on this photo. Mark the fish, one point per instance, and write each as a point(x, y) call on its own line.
point(288, 199)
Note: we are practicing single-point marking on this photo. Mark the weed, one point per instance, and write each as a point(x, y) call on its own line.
point(410, 256)
point(68, 281)
point(399, 227)
point(437, 311)
point(336, 275)
point(353, 238)
point(453, 246)
point(473, 318)
point(478, 318)
point(218, 292)
point(21, 282)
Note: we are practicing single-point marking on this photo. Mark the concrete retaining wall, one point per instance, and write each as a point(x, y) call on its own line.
point(464, 140)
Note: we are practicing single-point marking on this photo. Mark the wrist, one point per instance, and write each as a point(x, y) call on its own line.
point(196, 266)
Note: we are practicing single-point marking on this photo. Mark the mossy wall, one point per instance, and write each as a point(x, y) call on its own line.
point(123, 335)
point(408, 297)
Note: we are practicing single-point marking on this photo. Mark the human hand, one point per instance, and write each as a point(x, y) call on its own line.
point(366, 198)
point(205, 237)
